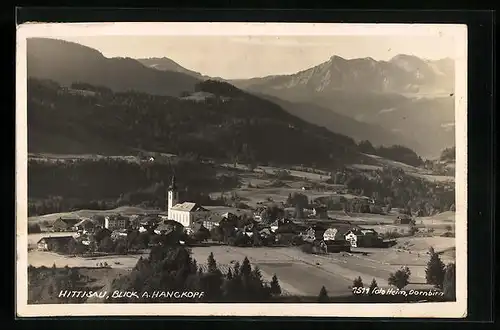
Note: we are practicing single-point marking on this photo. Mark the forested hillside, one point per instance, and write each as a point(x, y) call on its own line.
point(230, 125)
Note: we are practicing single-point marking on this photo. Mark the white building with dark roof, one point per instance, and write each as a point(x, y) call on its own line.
point(187, 213)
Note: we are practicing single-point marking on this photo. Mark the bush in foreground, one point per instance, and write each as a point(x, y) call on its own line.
point(400, 278)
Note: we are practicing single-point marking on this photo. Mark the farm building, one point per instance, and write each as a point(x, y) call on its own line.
point(53, 243)
point(360, 237)
point(329, 231)
point(333, 235)
point(403, 219)
point(320, 212)
point(212, 221)
point(198, 228)
point(168, 226)
point(85, 225)
point(65, 224)
point(148, 223)
point(119, 234)
point(116, 222)
point(286, 226)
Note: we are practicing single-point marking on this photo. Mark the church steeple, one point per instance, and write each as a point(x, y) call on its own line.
point(173, 185)
point(172, 196)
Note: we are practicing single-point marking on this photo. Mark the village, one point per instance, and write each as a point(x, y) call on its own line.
point(192, 223)
point(280, 237)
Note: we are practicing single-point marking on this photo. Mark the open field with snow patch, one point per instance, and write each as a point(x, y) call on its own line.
point(299, 273)
point(125, 210)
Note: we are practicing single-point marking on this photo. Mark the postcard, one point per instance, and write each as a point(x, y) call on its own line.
point(241, 169)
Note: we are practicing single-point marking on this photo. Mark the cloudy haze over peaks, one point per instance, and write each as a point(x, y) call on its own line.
point(239, 57)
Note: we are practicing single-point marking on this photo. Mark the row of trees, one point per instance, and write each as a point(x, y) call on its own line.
point(173, 268)
point(391, 187)
point(438, 274)
point(395, 152)
point(108, 183)
point(45, 284)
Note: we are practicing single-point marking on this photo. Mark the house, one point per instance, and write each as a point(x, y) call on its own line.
point(327, 232)
point(148, 223)
point(119, 234)
point(212, 221)
point(403, 219)
point(85, 225)
point(320, 212)
point(65, 224)
point(361, 237)
point(116, 222)
point(168, 226)
point(326, 239)
point(54, 243)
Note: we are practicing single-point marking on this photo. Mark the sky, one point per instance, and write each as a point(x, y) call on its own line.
point(242, 57)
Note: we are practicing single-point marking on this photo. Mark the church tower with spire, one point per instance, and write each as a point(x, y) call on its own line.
point(173, 196)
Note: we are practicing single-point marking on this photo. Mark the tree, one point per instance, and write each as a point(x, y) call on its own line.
point(257, 274)
point(275, 286)
point(400, 278)
point(194, 266)
point(246, 268)
point(323, 295)
point(143, 239)
point(132, 239)
point(101, 233)
point(202, 234)
point(373, 286)
point(366, 147)
point(358, 282)
point(236, 269)
point(229, 275)
point(217, 234)
point(211, 283)
point(106, 245)
point(121, 247)
point(299, 202)
point(434, 273)
point(211, 263)
point(449, 283)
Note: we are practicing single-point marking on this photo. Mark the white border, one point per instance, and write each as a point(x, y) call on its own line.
point(54, 30)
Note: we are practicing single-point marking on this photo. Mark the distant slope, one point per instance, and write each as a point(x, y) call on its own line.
point(341, 124)
point(232, 125)
point(67, 62)
point(166, 64)
point(406, 95)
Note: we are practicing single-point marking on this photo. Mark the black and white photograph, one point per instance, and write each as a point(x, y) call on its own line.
point(241, 169)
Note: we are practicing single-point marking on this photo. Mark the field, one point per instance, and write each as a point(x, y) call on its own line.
point(49, 157)
point(299, 274)
point(410, 170)
point(124, 210)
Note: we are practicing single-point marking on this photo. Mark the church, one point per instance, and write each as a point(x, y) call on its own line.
point(185, 213)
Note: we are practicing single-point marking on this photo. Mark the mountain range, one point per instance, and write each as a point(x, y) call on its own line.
point(410, 98)
point(406, 100)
